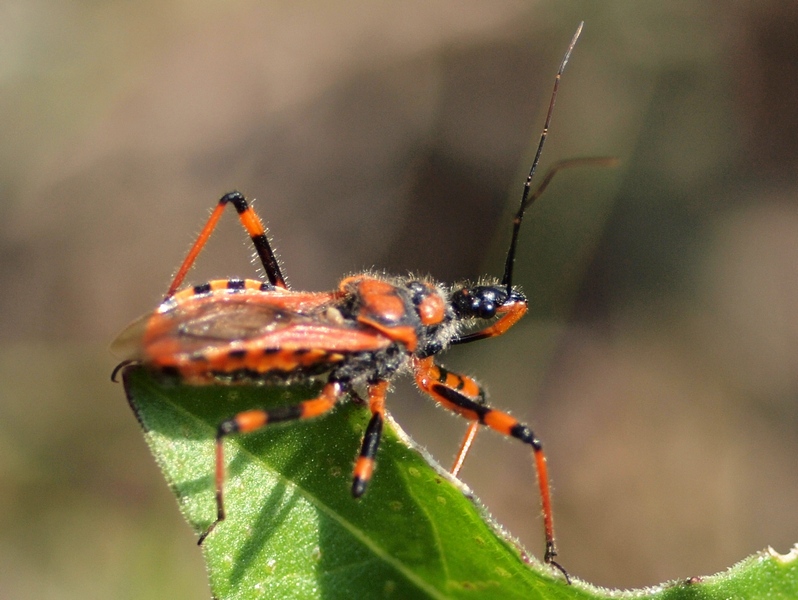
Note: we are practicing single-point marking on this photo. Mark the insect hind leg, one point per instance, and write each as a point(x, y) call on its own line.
point(253, 226)
point(253, 420)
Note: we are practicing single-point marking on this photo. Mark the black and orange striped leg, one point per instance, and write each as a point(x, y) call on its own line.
point(364, 466)
point(509, 315)
point(252, 420)
point(257, 233)
point(463, 385)
point(463, 395)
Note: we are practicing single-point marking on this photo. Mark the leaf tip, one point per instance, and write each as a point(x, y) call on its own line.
point(785, 559)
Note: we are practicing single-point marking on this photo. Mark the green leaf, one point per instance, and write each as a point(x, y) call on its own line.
point(293, 529)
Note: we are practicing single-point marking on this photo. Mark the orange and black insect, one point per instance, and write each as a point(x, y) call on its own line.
point(359, 336)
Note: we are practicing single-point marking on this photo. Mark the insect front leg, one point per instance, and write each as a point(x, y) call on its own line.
point(509, 315)
point(252, 420)
point(465, 447)
point(463, 385)
point(464, 396)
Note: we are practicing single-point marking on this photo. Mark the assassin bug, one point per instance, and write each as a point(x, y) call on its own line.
point(358, 336)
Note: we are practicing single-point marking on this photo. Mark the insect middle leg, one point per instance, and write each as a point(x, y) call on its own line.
point(464, 396)
point(252, 420)
point(364, 466)
point(257, 233)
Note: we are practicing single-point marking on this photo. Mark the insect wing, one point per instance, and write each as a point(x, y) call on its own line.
point(128, 344)
point(211, 327)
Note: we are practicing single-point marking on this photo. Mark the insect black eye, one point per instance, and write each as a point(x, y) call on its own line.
point(481, 302)
point(487, 309)
point(464, 303)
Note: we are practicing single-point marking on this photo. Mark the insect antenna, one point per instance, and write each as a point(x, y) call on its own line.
point(527, 199)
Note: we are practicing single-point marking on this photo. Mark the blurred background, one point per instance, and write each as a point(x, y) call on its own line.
point(659, 361)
